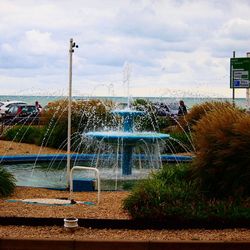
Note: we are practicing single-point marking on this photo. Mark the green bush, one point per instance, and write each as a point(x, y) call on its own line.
point(180, 142)
point(27, 134)
point(166, 193)
point(55, 136)
point(86, 115)
point(7, 182)
point(150, 121)
point(222, 163)
point(171, 194)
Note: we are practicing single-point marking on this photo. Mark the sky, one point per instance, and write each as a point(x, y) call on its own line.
point(126, 47)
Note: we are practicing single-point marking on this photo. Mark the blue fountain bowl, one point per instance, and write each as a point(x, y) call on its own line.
point(127, 137)
point(128, 112)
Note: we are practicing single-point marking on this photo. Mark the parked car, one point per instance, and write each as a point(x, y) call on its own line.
point(21, 114)
point(4, 106)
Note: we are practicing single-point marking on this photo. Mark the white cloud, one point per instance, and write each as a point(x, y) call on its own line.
point(7, 48)
point(39, 43)
point(238, 29)
point(172, 44)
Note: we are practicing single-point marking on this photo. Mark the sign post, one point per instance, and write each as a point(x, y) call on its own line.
point(240, 75)
point(233, 86)
point(247, 90)
point(240, 72)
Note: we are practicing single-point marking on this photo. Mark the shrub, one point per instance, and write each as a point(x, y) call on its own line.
point(172, 195)
point(222, 163)
point(86, 115)
point(55, 136)
point(183, 131)
point(166, 193)
point(7, 182)
point(180, 142)
point(150, 121)
point(200, 110)
point(28, 134)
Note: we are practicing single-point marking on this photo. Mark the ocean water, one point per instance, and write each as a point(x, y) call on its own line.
point(189, 101)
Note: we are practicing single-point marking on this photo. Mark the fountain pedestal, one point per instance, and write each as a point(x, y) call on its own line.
point(128, 138)
point(127, 159)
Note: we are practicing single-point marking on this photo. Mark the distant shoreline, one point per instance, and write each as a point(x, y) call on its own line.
point(189, 101)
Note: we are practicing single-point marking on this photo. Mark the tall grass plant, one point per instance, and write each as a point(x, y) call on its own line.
point(7, 183)
point(222, 163)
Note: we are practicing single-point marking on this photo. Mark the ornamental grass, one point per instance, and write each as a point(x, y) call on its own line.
point(7, 182)
point(222, 163)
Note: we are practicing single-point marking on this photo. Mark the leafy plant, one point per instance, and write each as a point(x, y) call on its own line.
point(7, 182)
point(86, 115)
point(172, 194)
point(180, 142)
point(166, 193)
point(21, 133)
point(150, 121)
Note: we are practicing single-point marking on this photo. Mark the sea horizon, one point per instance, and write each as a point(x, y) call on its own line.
point(189, 101)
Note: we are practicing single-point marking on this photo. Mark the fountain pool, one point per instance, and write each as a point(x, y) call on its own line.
point(53, 175)
point(122, 156)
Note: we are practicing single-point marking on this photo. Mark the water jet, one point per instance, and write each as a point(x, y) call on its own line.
point(127, 138)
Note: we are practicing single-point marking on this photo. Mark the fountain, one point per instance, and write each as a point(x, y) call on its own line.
point(135, 153)
point(127, 138)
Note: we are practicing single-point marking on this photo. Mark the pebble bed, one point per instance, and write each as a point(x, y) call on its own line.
point(110, 207)
point(25, 232)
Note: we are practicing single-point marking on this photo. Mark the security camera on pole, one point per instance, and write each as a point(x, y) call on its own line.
point(71, 51)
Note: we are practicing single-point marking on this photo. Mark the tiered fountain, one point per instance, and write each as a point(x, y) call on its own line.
point(127, 138)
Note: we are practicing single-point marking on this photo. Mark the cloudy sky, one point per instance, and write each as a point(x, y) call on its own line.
point(164, 47)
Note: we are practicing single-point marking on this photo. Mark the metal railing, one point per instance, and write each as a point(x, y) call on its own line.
point(97, 176)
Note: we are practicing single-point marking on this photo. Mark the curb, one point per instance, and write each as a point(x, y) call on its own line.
point(80, 157)
point(126, 224)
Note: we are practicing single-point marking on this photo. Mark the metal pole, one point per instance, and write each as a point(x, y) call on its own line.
point(233, 81)
point(69, 111)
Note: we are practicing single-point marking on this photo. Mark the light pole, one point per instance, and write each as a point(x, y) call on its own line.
point(72, 44)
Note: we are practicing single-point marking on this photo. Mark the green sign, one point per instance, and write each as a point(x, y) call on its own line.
point(240, 72)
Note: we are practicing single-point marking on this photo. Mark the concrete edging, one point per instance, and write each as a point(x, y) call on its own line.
point(79, 157)
point(125, 223)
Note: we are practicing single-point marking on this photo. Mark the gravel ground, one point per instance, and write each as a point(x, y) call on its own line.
point(26, 232)
point(15, 148)
point(109, 207)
